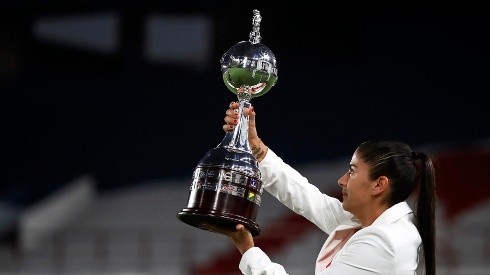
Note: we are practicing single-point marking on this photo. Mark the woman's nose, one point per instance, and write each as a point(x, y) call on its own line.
point(342, 180)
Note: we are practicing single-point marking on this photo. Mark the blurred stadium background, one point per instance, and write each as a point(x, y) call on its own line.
point(107, 106)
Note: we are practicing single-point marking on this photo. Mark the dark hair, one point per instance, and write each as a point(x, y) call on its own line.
point(406, 171)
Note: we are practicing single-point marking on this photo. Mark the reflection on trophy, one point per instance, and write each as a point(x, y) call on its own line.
point(226, 186)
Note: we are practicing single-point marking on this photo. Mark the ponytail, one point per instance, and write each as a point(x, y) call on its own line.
point(426, 208)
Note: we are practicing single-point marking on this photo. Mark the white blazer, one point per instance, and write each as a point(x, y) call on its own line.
point(389, 246)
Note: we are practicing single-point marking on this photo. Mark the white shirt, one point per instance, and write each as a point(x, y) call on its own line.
point(389, 246)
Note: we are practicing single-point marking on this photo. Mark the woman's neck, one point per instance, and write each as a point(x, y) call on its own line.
point(370, 214)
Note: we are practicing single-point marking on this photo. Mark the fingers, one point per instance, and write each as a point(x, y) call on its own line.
point(242, 230)
point(231, 118)
point(242, 238)
point(251, 118)
point(215, 229)
point(233, 107)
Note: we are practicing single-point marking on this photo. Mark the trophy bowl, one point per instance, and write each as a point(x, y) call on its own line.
point(249, 65)
point(226, 185)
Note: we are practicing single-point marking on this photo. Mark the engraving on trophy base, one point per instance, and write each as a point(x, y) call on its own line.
point(223, 197)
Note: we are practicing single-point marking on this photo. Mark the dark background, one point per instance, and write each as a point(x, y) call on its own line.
point(417, 71)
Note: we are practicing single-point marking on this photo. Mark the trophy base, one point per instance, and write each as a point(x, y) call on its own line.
point(196, 218)
point(226, 190)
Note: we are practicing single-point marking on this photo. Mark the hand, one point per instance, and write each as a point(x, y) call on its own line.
point(241, 237)
point(231, 119)
point(259, 149)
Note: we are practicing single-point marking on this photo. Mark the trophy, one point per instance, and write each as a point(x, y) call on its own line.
point(226, 186)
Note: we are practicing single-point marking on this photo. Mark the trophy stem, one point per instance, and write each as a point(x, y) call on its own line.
point(238, 138)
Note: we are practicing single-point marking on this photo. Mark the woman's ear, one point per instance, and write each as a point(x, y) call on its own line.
point(380, 185)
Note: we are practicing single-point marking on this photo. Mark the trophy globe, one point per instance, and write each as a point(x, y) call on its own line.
point(226, 187)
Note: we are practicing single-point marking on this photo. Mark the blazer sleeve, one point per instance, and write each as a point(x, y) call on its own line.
point(255, 262)
point(293, 190)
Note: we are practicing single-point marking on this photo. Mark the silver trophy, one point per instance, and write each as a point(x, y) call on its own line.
point(226, 186)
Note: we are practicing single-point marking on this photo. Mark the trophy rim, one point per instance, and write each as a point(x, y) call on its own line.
point(194, 217)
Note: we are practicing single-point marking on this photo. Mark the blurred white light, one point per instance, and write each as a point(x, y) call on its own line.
point(184, 40)
point(95, 32)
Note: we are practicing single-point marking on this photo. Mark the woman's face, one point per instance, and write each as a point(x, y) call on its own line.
point(356, 186)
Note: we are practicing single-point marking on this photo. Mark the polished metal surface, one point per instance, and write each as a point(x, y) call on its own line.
point(226, 185)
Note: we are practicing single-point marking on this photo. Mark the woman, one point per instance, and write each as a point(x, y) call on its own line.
point(373, 230)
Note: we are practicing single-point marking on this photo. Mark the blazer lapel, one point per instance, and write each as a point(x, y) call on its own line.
point(333, 241)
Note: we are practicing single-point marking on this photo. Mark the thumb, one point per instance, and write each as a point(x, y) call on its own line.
point(252, 129)
point(242, 231)
point(239, 227)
